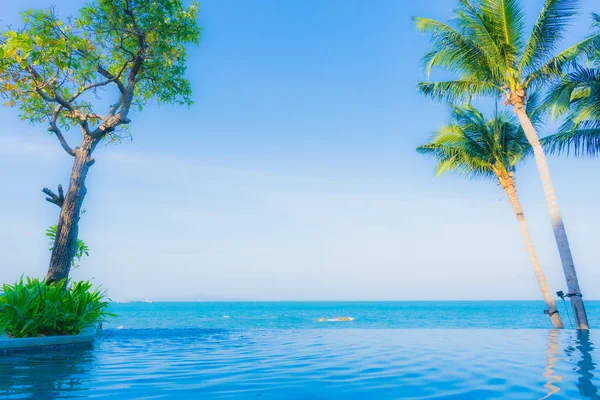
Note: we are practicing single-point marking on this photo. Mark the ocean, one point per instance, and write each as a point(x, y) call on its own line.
point(280, 350)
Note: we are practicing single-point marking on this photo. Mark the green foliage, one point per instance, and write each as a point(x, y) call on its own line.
point(577, 96)
point(486, 48)
point(33, 308)
point(81, 248)
point(473, 146)
point(55, 70)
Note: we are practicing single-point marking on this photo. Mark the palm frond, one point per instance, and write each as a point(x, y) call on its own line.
point(548, 30)
point(582, 142)
point(456, 91)
point(587, 114)
point(558, 98)
point(457, 160)
point(534, 108)
point(480, 28)
point(595, 48)
point(474, 146)
point(507, 21)
point(486, 49)
point(576, 95)
point(451, 49)
point(554, 67)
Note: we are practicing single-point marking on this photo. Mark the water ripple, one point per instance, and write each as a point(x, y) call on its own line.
point(315, 364)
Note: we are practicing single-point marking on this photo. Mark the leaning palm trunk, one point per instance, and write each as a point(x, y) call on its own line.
point(477, 147)
point(558, 227)
point(508, 184)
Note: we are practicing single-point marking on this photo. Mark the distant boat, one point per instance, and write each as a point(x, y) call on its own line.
point(147, 301)
point(337, 319)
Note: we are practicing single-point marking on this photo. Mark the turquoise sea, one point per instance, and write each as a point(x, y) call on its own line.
point(279, 350)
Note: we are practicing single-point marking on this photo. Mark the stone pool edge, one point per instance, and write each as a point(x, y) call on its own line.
point(39, 344)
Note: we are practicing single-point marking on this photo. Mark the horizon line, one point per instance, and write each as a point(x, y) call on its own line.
point(325, 301)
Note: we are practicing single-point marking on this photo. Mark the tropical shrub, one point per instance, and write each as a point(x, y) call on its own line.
point(31, 308)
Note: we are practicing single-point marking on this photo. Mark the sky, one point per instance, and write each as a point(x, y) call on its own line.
point(294, 175)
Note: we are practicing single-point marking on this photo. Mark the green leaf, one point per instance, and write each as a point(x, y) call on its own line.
point(473, 146)
point(31, 308)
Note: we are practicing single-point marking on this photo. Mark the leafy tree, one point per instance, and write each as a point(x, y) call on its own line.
point(88, 73)
point(577, 95)
point(487, 48)
point(478, 148)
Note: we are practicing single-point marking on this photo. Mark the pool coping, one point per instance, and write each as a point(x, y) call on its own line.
point(39, 344)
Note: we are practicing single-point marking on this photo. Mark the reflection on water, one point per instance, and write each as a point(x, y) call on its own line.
point(579, 349)
point(322, 364)
point(585, 366)
point(44, 375)
point(551, 359)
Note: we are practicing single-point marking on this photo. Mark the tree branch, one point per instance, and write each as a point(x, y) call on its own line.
point(40, 85)
point(82, 117)
point(53, 198)
point(54, 128)
point(111, 77)
point(123, 105)
point(141, 54)
point(89, 87)
point(63, 142)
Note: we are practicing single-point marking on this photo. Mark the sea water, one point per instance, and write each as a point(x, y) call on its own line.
point(371, 315)
point(407, 350)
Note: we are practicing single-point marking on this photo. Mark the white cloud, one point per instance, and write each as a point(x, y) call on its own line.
point(26, 146)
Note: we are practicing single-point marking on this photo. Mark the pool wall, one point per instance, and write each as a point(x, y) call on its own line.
point(39, 344)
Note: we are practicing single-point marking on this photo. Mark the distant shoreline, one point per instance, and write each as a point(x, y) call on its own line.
point(327, 301)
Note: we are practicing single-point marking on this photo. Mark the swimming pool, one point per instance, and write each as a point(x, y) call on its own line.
point(279, 350)
point(312, 364)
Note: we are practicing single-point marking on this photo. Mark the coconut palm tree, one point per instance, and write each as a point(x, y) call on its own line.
point(476, 147)
point(486, 47)
point(577, 95)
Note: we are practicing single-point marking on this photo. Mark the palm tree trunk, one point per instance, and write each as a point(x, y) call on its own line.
point(65, 243)
point(558, 227)
point(509, 187)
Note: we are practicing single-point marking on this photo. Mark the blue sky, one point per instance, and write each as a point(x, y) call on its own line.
point(294, 174)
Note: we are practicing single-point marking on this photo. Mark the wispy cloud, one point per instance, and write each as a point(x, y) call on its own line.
point(24, 146)
point(187, 166)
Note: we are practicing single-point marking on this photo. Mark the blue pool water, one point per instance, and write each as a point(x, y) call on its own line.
point(278, 350)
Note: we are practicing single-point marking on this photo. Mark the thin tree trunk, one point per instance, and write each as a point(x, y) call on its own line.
point(65, 243)
point(509, 187)
point(558, 227)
